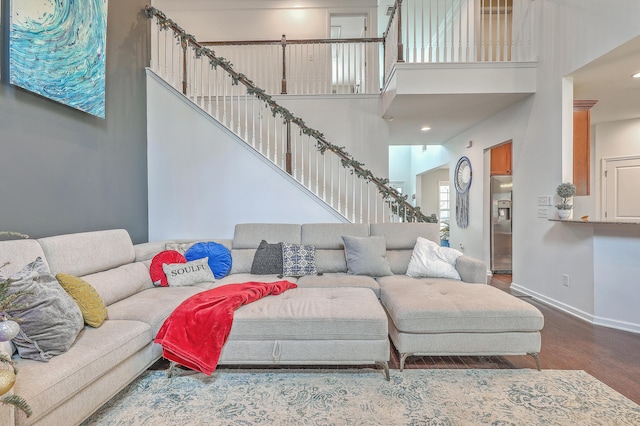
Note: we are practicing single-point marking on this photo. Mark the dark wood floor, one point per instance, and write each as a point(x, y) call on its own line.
point(568, 343)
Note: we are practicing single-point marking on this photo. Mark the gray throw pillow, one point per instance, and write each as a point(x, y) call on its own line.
point(268, 259)
point(366, 256)
point(51, 320)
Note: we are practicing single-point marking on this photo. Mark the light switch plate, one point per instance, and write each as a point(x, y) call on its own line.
point(543, 212)
point(544, 200)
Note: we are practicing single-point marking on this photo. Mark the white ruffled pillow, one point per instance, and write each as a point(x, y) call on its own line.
point(429, 260)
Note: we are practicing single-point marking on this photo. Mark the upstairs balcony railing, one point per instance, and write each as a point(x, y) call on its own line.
point(418, 31)
point(307, 67)
point(445, 31)
point(332, 174)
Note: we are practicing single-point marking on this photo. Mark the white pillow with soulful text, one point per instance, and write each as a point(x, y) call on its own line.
point(429, 260)
point(194, 272)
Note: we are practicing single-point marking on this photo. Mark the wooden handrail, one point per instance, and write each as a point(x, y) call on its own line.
point(288, 41)
point(396, 6)
point(401, 207)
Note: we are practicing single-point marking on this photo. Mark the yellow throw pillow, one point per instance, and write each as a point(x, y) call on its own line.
point(94, 311)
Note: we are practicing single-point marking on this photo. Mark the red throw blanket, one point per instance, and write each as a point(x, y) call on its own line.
point(195, 332)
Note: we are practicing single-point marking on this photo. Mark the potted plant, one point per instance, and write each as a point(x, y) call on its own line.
point(444, 234)
point(9, 328)
point(565, 191)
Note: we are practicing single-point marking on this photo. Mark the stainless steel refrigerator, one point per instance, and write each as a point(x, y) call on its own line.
point(501, 219)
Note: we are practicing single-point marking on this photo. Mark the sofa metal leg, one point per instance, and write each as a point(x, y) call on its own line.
point(536, 357)
point(403, 358)
point(172, 367)
point(385, 368)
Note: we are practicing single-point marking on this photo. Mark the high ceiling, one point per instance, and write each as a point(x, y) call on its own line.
point(608, 80)
point(447, 115)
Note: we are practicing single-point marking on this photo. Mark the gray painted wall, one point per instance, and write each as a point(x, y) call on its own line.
point(62, 170)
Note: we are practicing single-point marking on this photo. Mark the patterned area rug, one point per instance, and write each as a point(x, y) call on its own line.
point(364, 397)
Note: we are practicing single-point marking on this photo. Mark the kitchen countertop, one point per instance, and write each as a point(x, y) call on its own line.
point(594, 222)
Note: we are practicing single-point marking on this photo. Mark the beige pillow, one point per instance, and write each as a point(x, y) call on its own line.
point(194, 272)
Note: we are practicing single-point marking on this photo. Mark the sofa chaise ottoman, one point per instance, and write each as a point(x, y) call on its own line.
point(311, 326)
point(447, 317)
point(442, 316)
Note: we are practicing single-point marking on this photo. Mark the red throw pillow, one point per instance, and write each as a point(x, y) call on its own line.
point(157, 273)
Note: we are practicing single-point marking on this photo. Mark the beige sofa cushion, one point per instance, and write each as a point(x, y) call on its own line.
point(327, 239)
point(337, 280)
point(121, 282)
point(46, 385)
point(151, 306)
point(241, 261)
point(328, 236)
point(436, 305)
point(249, 235)
point(88, 252)
point(312, 314)
point(403, 236)
point(19, 253)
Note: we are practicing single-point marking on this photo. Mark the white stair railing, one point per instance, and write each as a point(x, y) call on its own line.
point(445, 31)
point(234, 100)
point(307, 67)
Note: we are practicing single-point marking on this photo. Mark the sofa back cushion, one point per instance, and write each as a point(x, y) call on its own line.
point(119, 283)
point(88, 252)
point(327, 239)
point(247, 238)
point(19, 253)
point(401, 238)
point(249, 235)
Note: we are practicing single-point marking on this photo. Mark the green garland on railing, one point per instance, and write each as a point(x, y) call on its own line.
point(397, 201)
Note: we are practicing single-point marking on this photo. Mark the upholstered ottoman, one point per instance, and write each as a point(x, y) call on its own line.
point(312, 326)
point(450, 317)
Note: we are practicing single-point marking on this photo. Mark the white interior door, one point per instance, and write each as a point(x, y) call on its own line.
point(621, 195)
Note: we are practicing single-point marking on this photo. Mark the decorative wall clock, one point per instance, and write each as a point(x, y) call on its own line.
point(462, 182)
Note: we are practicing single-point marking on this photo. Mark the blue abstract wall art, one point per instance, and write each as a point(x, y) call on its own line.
point(57, 49)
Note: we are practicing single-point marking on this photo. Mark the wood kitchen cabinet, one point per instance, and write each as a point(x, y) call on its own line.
point(582, 145)
point(501, 159)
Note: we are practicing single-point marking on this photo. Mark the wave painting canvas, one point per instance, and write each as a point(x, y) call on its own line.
point(57, 49)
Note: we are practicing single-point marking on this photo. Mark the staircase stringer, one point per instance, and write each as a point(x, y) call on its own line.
point(231, 98)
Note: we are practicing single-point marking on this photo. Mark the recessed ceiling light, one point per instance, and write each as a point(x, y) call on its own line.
point(636, 75)
point(425, 129)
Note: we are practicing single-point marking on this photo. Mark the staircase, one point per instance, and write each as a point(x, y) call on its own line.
point(234, 100)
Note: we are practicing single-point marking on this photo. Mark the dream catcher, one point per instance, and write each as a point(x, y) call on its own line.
point(462, 182)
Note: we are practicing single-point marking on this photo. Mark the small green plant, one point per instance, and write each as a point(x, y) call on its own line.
point(7, 303)
point(444, 231)
point(565, 191)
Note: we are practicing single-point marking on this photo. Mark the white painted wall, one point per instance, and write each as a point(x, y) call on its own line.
point(399, 159)
point(349, 121)
point(572, 34)
point(430, 190)
point(203, 180)
point(545, 250)
point(613, 139)
point(261, 20)
point(617, 297)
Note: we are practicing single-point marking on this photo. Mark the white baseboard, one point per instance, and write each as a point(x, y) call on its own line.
point(605, 322)
point(617, 324)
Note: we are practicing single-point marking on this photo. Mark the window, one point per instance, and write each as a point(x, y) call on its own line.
point(444, 202)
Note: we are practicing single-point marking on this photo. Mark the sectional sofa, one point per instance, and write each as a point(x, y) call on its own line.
point(422, 316)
